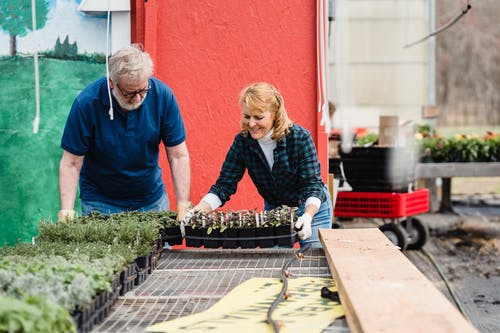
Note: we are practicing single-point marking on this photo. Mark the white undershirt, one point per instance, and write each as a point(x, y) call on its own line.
point(267, 144)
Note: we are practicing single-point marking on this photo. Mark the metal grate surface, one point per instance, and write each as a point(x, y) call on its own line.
point(190, 281)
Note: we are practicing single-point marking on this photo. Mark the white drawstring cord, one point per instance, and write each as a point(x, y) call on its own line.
point(107, 63)
point(36, 121)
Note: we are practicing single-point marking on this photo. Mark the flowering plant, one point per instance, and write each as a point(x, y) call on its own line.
point(459, 148)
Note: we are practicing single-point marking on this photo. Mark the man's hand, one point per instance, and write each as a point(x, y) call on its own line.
point(182, 209)
point(303, 226)
point(66, 215)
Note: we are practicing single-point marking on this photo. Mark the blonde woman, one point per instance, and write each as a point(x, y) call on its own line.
point(281, 160)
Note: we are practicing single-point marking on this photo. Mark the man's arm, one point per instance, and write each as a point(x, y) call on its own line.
point(178, 159)
point(69, 173)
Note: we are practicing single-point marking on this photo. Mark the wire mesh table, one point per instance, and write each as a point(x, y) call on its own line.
point(190, 281)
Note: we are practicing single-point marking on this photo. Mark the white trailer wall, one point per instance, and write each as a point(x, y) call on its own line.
point(371, 73)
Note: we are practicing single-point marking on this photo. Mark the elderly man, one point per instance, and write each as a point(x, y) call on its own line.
point(112, 148)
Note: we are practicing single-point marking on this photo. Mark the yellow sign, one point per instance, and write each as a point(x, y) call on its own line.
point(244, 309)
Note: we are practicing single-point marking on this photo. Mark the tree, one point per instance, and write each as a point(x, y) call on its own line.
point(15, 18)
point(468, 64)
point(65, 50)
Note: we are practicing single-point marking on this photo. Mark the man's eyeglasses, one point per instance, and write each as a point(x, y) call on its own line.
point(132, 94)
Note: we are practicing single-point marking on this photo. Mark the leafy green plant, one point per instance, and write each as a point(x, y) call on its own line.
point(283, 215)
point(33, 314)
point(367, 140)
point(72, 284)
point(248, 218)
point(198, 220)
point(460, 148)
point(231, 219)
point(140, 230)
point(111, 258)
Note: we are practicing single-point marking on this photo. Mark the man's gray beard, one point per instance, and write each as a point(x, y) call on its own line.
point(122, 102)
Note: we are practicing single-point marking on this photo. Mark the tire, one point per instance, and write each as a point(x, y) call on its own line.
point(418, 233)
point(337, 225)
point(396, 234)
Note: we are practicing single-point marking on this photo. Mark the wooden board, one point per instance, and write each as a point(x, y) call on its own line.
point(331, 185)
point(381, 290)
point(459, 169)
point(429, 112)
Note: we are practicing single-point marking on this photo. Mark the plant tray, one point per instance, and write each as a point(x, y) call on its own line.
point(381, 204)
point(246, 238)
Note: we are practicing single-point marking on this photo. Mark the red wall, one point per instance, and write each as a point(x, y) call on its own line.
point(207, 51)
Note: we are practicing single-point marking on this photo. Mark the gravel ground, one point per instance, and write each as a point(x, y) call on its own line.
point(461, 257)
point(467, 254)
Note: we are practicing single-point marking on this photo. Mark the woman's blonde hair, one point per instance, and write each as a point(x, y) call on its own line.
point(263, 96)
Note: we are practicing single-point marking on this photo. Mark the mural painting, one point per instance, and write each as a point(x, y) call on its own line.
point(65, 49)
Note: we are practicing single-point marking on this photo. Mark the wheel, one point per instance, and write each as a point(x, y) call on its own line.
point(418, 233)
point(396, 234)
point(337, 225)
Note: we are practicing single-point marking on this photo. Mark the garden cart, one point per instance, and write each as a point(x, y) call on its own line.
point(396, 210)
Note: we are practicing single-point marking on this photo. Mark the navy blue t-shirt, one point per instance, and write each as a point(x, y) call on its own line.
point(121, 155)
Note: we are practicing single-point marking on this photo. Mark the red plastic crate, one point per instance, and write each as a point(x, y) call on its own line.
point(381, 204)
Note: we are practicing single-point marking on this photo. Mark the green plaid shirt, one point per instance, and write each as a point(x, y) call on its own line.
point(295, 176)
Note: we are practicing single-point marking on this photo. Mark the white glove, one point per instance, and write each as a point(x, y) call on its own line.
point(185, 220)
point(303, 226)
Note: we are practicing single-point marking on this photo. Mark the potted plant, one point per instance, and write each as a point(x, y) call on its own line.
point(247, 232)
point(35, 314)
point(193, 231)
point(264, 230)
point(211, 231)
point(459, 148)
point(283, 219)
point(170, 228)
point(230, 223)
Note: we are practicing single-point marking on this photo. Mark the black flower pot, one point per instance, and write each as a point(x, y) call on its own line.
point(230, 239)
point(127, 277)
point(143, 261)
point(77, 318)
point(265, 236)
point(172, 235)
point(247, 238)
point(212, 240)
point(380, 169)
point(193, 237)
point(284, 236)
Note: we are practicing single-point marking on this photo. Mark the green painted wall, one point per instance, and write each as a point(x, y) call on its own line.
point(29, 162)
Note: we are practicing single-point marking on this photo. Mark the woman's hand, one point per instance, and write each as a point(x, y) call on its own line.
point(202, 206)
point(303, 226)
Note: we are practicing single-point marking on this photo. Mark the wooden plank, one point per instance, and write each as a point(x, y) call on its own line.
point(429, 112)
point(331, 185)
point(465, 169)
point(381, 290)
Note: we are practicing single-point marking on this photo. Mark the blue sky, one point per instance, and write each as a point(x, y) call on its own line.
point(63, 19)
